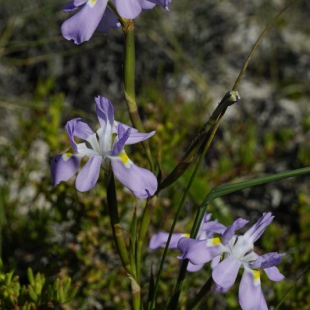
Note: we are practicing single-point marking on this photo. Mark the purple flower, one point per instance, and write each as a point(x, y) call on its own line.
point(104, 149)
point(159, 240)
point(95, 14)
point(236, 251)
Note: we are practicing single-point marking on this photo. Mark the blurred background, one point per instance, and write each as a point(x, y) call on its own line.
point(187, 59)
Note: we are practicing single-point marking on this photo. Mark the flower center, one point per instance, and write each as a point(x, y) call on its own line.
point(239, 248)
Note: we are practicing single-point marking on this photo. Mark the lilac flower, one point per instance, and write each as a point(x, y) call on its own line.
point(95, 14)
point(159, 240)
point(236, 251)
point(105, 149)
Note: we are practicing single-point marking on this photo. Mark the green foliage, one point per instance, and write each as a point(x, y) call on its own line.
point(66, 235)
point(40, 293)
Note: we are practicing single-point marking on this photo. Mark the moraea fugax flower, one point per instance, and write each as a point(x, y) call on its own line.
point(236, 251)
point(104, 149)
point(96, 14)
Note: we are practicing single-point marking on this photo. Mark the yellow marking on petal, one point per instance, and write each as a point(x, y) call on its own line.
point(66, 156)
point(186, 235)
point(91, 3)
point(256, 277)
point(125, 159)
point(256, 274)
point(213, 241)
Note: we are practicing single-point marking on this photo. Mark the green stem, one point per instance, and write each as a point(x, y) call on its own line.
point(115, 224)
point(201, 295)
point(120, 242)
point(129, 84)
point(175, 298)
point(145, 222)
point(190, 155)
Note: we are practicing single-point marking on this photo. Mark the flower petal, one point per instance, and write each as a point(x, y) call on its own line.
point(259, 227)
point(203, 234)
point(146, 5)
point(122, 136)
point(225, 273)
point(274, 274)
point(63, 167)
point(125, 126)
point(109, 20)
point(214, 226)
point(197, 252)
point(267, 260)
point(81, 26)
point(105, 111)
point(78, 128)
point(163, 3)
point(250, 292)
point(129, 9)
point(193, 268)
point(136, 137)
point(72, 5)
point(141, 182)
point(159, 240)
point(220, 289)
point(89, 174)
point(215, 261)
point(230, 231)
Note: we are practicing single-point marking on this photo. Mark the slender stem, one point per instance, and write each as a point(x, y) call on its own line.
point(201, 294)
point(115, 224)
point(230, 98)
point(129, 84)
point(145, 222)
point(241, 74)
point(120, 242)
point(174, 300)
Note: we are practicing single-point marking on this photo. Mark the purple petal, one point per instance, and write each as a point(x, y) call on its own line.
point(267, 260)
point(202, 234)
point(136, 137)
point(230, 231)
point(214, 226)
point(63, 167)
point(274, 274)
point(141, 182)
point(215, 261)
point(81, 26)
point(220, 289)
point(259, 227)
point(125, 126)
point(146, 5)
point(72, 5)
point(105, 111)
point(163, 3)
point(159, 240)
point(250, 292)
point(193, 268)
point(89, 174)
point(109, 20)
point(225, 273)
point(129, 9)
point(78, 128)
point(206, 217)
point(197, 252)
point(123, 136)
